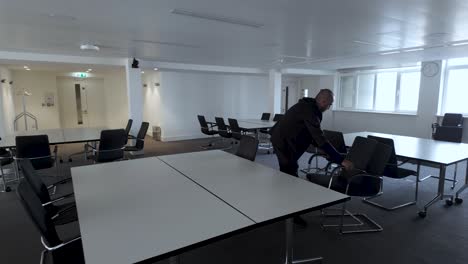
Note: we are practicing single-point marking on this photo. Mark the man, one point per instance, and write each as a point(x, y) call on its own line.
point(300, 127)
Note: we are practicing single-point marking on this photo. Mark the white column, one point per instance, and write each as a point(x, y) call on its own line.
point(274, 92)
point(135, 96)
point(428, 100)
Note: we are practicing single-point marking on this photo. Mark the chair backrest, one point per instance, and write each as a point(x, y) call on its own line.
point(127, 128)
point(111, 145)
point(379, 159)
point(140, 139)
point(34, 147)
point(391, 169)
point(37, 214)
point(265, 116)
point(247, 147)
point(277, 117)
point(336, 139)
point(361, 152)
point(222, 128)
point(235, 129)
point(451, 119)
point(35, 181)
point(203, 125)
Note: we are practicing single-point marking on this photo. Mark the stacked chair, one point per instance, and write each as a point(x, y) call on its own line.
point(247, 147)
point(370, 159)
point(139, 140)
point(207, 130)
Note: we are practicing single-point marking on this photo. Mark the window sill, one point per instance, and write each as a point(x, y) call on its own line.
point(375, 112)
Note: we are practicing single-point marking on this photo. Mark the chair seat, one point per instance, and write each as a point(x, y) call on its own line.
point(6, 160)
point(400, 173)
point(131, 148)
point(363, 187)
point(210, 132)
point(68, 216)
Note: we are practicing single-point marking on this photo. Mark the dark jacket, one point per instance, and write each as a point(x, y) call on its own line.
point(300, 127)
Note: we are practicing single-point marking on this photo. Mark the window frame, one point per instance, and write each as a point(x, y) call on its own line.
point(356, 75)
point(441, 109)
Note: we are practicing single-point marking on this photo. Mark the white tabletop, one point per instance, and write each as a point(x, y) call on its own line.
point(134, 210)
point(258, 121)
point(253, 126)
point(430, 150)
point(55, 136)
point(260, 192)
point(82, 134)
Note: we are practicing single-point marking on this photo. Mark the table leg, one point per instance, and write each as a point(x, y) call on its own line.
point(440, 191)
point(290, 246)
point(457, 194)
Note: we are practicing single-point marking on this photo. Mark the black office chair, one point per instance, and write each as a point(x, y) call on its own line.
point(207, 130)
point(6, 158)
point(277, 117)
point(450, 130)
point(265, 116)
point(128, 128)
point(59, 211)
point(336, 139)
point(140, 139)
point(56, 250)
point(111, 146)
point(369, 158)
point(247, 148)
point(223, 130)
point(37, 150)
point(393, 170)
point(236, 131)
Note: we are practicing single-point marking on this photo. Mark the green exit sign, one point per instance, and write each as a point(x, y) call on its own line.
point(80, 74)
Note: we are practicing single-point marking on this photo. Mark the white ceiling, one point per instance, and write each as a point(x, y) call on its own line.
point(329, 34)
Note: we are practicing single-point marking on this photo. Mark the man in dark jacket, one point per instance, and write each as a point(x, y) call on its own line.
point(300, 127)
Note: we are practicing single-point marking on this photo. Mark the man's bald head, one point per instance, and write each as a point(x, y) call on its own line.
point(324, 99)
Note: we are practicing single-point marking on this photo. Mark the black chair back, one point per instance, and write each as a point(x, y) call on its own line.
point(451, 119)
point(391, 170)
point(38, 214)
point(265, 116)
point(336, 139)
point(235, 129)
point(140, 139)
point(361, 152)
point(28, 147)
point(277, 117)
point(35, 182)
point(203, 125)
point(222, 128)
point(128, 127)
point(247, 148)
point(111, 145)
point(5, 157)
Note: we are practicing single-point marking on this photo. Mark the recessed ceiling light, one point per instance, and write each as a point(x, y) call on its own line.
point(218, 18)
point(89, 47)
point(390, 52)
point(28, 69)
point(414, 49)
point(156, 69)
point(90, 69)
point(460, 43)
point(25, 67)
point(142, 72)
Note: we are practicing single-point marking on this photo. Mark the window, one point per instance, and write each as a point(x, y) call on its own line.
point(392, 90)
point(455, 92)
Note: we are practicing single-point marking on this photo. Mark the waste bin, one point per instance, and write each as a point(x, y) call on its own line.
point(157, 133)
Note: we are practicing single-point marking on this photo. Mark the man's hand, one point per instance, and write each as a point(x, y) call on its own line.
point(348, 165)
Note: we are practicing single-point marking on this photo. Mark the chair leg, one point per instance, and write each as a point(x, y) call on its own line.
point(375, 227)
point(41, 261)
point(3, 179)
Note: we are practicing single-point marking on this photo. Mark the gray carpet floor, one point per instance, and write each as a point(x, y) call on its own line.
point(442, 237)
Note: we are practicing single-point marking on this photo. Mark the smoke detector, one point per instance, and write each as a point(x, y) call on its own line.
point(89, 47)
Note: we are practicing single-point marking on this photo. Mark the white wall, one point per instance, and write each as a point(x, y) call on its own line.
point(183, 95)
point(152, 99)
point(115, 93)
point(7, 107)
point(38, 83)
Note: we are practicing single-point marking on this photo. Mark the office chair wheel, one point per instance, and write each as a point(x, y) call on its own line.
point(458, 200)
point(70, 160)
point(449, 202)
point(8, 189)
point(422, 214)
point(61, 160)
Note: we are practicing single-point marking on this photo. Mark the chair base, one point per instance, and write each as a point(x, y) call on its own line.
point(368, 200)
point(375, 227)
point(289, 252)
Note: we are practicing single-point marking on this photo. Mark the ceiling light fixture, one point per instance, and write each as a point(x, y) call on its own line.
point(90, 69)
point(28, 69)
point(390, 52)
point(156, 69)
point(413, 49)
point(218, 18)
point(89, 47)
point(142, 72)
point(25, 67)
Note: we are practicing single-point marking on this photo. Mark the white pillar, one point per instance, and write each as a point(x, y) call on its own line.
point(274, 91)
point(135, 96)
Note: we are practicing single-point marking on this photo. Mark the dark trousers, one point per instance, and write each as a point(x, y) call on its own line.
point(287, 161)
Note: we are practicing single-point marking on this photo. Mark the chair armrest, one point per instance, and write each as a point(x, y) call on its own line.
point(35, 158)
point(90, 146)
point(59, 199)
point(361, 175)
point(59, 246)
point(59, 182)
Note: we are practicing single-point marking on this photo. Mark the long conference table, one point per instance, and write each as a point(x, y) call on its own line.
point(57, 136)
point(440, 154)
point(145, 210)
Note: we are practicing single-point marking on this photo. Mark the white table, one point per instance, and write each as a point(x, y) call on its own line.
point(134, 210)
point(258, 121)
point(145, 210)
point(438, 153)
